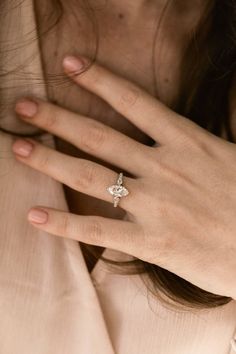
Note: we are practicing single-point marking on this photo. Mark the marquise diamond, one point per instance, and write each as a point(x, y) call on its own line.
point(118, 191)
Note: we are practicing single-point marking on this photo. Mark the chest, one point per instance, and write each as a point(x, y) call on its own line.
point(131, 47)
point(140, 48)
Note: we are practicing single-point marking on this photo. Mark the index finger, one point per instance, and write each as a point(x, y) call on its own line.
point(130, 100)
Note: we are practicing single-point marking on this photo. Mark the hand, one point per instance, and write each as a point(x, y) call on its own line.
point(182, 201)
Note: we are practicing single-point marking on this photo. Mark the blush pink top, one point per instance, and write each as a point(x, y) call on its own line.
point(49, 303)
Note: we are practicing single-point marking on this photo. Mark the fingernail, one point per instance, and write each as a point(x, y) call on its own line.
point(22, 147)
point(26, 107)
point(74, 64)
point(38, 216)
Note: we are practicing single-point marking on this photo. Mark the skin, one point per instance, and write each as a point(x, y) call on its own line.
point(167, 215)
point(127, 33)
point(130, 57)
point(183, 194)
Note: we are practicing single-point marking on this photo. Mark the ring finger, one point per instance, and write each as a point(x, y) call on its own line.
point(82, 175)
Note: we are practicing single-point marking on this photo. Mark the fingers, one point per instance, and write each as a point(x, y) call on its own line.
point(87, 134)
point(99, 231)
point(82, 175)
point(142, 109)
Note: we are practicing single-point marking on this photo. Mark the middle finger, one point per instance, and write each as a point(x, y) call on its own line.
point(87, 134)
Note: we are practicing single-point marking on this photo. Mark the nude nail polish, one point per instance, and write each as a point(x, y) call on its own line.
point(74, 64)
point(26, 107)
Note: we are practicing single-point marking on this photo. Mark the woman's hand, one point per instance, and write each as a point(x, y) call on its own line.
point(182, 200)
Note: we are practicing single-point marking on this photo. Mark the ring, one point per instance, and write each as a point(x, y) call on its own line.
point(118, 190)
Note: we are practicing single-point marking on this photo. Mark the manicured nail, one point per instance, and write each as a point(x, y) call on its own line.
point(74, 64)
point(22, 147)
point(38, 216)
point(26, 107)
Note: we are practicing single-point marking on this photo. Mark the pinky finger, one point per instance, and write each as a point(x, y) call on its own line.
point(120, 235)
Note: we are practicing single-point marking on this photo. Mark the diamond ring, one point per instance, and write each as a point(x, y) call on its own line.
point(117, 190)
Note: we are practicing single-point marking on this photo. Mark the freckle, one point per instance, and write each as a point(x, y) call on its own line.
point(166, 80)
point(55, 53)
point(121, 16)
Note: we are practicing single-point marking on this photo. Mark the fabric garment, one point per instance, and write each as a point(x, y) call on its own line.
point(49, 303)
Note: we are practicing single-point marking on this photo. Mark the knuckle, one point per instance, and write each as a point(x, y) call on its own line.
point(130, 97)
point(202, 145)
point(178, 177)
point(194, 137)
point(190, 139)
point(175, 175)
point(50, 117)
point(156, 158)
point(42, 159)
point(93, 231)
point(86, 177)
point(183, 138)
point(164, 209)
point(94, 137)
point(65, 226)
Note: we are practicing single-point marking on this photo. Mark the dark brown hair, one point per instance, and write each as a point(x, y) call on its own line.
point(207, 76)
